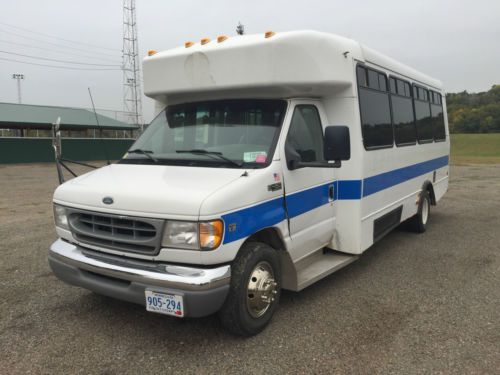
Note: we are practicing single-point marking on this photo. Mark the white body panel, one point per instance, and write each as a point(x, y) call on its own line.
point(302, 68)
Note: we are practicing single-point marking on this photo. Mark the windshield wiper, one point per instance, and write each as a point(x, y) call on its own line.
point(146, 153)
point(210, 153)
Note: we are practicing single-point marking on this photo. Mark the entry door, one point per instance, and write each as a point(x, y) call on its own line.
point(309, 191)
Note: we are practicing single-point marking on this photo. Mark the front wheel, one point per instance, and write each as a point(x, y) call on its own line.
point(254, 291)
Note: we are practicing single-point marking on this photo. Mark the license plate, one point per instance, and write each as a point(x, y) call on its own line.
point(163, 303)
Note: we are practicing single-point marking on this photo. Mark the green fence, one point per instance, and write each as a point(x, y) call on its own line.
point(36, 150)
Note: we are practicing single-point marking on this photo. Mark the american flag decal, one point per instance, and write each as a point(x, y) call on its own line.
point(276, 177)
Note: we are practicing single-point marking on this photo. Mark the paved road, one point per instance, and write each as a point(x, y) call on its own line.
point(411, 304)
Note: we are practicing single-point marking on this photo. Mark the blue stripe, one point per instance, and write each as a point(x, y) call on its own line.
point(374, 184)
point(252, 219)
point(349, 189)
point(307, 200)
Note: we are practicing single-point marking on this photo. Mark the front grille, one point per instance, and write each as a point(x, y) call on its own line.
point(124, 233)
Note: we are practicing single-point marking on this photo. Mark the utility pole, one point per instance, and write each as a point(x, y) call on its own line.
point(132, 96)
point(19, 78)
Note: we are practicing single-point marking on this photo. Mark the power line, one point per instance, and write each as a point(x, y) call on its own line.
point(56, 66)
point(56, 37)
point(56, 60)
point(56, 44)
point(56, 51)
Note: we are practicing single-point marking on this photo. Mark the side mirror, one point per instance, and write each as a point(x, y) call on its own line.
point(337, 143)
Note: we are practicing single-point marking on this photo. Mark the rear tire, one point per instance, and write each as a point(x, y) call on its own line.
point(254, 290)
point(418, 223)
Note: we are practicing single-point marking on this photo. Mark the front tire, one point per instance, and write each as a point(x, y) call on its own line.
point(418, 223)
point(254, 291)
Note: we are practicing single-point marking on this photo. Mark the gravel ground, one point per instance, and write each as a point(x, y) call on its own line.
point(411, 304)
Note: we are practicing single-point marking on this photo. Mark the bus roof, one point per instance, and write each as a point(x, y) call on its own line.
point(288, 64)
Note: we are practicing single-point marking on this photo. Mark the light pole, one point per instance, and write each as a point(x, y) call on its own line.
point(19, 77)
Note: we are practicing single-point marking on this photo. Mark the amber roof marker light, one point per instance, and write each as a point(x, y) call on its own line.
point(188, 44)
point(204, 41)
point(221, 38)
point(269, 34)
point(152, 52)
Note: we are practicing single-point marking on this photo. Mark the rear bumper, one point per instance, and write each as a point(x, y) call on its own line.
point(204, 290)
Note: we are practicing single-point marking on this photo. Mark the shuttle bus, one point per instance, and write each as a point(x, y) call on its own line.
point(274, 160)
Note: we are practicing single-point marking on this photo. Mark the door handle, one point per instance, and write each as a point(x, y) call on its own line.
point(330, 193)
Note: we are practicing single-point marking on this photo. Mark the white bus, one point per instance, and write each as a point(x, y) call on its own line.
point(275, 159)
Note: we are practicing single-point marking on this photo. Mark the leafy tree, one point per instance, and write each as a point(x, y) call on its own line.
point(474, 112)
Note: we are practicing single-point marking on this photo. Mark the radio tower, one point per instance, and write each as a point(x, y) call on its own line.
point(132, 98)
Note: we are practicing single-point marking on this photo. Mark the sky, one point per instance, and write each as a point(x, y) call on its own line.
point(456, 41)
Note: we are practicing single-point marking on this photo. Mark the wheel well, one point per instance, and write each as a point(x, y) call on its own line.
point(428, 186)
point(268, 236)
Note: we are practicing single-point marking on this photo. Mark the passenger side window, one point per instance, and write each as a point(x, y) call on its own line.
point(437, 117)
point(306, 133)
point(375, 110)
point(425, 131)
point(403, 118)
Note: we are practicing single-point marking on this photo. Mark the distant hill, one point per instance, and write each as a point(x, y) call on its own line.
point(474, 112)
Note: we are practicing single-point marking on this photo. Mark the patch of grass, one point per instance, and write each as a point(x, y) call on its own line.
point(475, 148)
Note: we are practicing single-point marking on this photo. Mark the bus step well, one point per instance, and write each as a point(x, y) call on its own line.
point(320, 264)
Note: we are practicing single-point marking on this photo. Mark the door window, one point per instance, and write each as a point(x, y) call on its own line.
point(306, 133)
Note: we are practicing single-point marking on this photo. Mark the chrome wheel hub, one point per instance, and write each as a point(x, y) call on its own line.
point(261, 289)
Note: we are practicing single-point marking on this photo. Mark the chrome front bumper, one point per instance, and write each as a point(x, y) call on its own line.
point(204, 289)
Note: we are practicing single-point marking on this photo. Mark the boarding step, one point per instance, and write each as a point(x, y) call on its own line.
point(319, 265)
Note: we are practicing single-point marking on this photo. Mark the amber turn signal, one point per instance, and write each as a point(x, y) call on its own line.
point(210, 234)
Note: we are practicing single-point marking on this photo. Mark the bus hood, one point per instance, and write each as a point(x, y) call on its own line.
point(146, 190)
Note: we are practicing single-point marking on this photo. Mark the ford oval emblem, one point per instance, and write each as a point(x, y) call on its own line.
point(107, 200)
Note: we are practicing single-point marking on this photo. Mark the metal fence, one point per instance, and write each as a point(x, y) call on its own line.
point(37, 150)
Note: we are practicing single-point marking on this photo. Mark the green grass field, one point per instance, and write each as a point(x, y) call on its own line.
point(475, 149)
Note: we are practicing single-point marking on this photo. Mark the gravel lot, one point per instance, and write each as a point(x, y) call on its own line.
point(411, 304)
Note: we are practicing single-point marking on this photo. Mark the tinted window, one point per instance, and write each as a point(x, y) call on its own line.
point(373, 79)
point(393, 85)
point(403, 120)
point(425, 130)
point(375, 118)
point(422, 94)
point(401, 87)
point(382, 82)
point(438, 122)
point(407, 89)
point(361, 72)
point(306, 133)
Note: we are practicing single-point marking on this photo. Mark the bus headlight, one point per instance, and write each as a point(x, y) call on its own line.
point(193, 236)
point(181, 234)
point(60, 217)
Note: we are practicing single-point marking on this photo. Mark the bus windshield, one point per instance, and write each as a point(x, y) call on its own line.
point(232, 133)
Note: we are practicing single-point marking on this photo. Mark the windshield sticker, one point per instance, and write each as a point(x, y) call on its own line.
point(255, 157)
point(260, 158)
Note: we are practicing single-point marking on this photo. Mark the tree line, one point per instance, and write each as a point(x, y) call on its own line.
point(474, 112)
